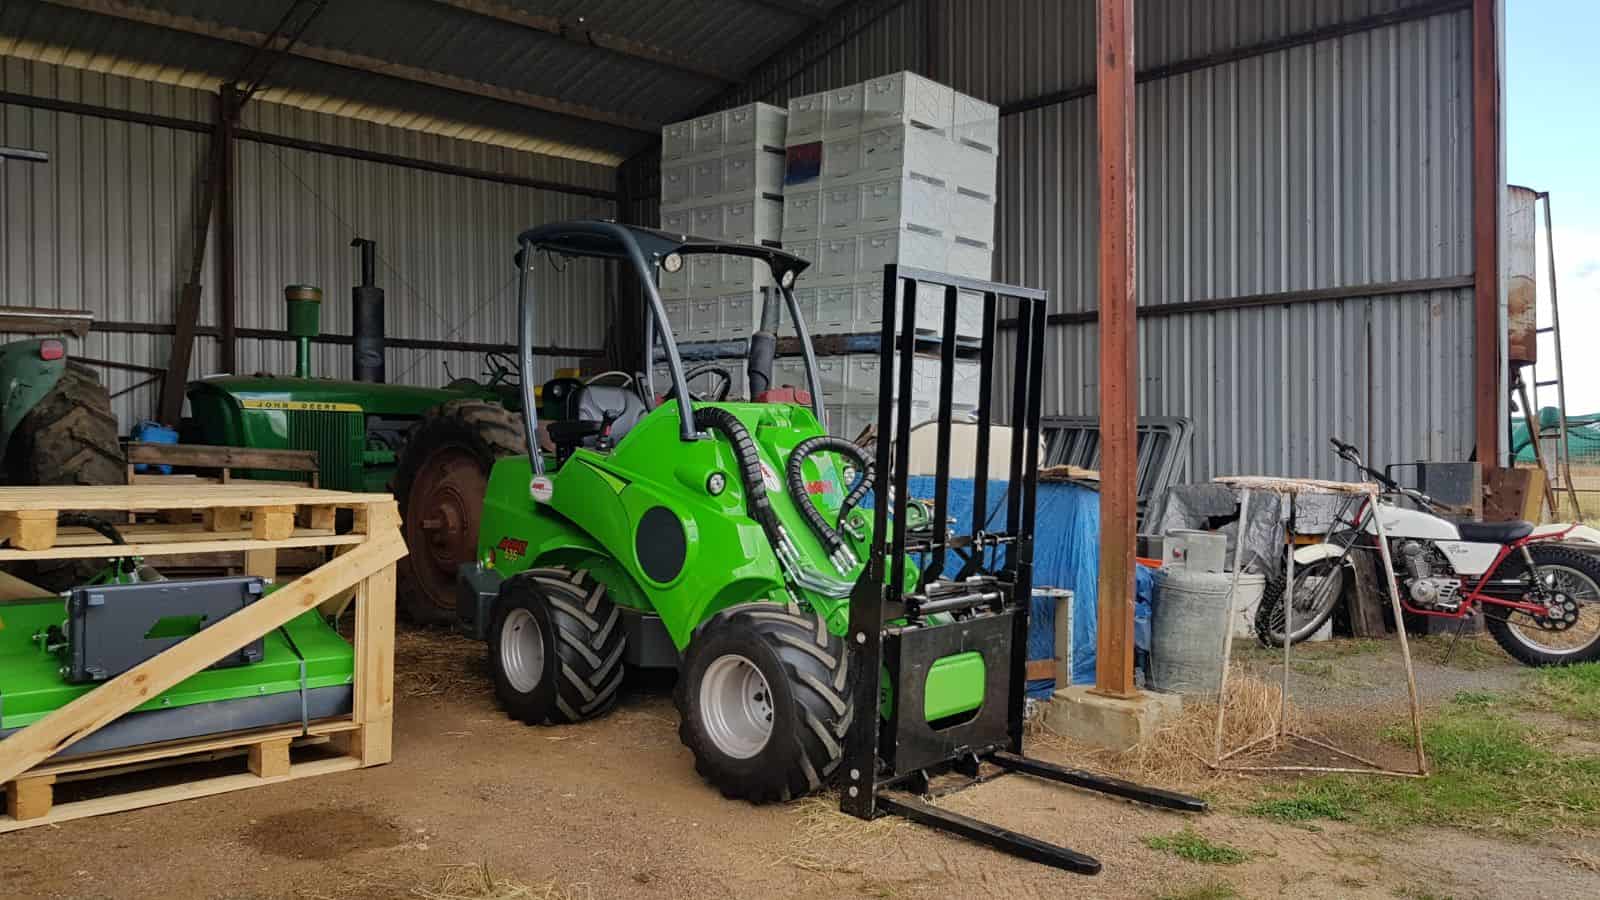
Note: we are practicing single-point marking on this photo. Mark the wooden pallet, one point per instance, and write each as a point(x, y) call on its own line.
point(258, 519)
point(217, 463)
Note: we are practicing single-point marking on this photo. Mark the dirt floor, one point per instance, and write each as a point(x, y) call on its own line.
point(478, 805)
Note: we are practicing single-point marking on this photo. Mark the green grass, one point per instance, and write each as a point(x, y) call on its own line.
point(1571, 691)
point(1190, 845)
point(1490, 772)
point(1211, 890)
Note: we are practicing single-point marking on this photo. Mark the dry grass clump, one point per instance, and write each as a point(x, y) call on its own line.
point(832, 842)
point(1179, 755)
point(437, 663)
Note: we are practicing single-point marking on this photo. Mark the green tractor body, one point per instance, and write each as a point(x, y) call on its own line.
point(27, 374)
point(357, 428)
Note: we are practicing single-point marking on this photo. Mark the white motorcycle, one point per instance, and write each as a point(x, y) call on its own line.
point(1538, 586)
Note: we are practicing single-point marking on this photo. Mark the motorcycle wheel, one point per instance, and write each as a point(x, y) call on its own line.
point(1573, 577)
point(1318, 588)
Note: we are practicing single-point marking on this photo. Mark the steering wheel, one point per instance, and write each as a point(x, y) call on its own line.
point(503, 368)
point(719, 392)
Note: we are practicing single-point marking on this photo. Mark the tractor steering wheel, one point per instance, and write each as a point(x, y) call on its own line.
point(503, 368)
point(719, 392)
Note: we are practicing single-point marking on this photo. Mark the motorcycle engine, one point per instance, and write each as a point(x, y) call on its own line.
point(1427, 589)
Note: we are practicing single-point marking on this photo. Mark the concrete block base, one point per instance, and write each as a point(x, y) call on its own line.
point(1108, 722)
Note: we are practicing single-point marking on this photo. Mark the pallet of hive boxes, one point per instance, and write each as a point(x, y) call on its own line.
point(898, 169)
point(123, 670)
point(721, 178)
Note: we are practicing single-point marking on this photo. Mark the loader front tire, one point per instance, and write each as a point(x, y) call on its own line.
point(764, 701)
point(555, 647)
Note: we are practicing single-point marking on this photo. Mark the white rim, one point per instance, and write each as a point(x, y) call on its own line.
point(522, 650)
point(1564, 583)
point(736, 706)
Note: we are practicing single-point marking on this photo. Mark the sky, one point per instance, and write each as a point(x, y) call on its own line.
point(1553, 144)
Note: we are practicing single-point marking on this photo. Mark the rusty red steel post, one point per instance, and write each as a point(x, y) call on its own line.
point(1486, 234)
point(1119, 362)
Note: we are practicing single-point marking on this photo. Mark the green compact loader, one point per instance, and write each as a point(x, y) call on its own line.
point(817, 641)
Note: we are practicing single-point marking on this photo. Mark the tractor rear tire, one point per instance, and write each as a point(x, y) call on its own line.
point(764, 700)
point(440, 484)
point(555, 647)
point(70, 437)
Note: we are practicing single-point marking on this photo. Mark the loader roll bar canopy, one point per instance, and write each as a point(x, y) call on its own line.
point(647, 250)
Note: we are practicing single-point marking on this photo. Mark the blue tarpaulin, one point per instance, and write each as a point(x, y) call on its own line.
point(1066, 554)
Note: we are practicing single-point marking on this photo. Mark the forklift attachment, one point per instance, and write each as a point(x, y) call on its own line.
point(976, 617)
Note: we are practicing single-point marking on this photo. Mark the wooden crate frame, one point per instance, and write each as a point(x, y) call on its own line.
point(258, 518)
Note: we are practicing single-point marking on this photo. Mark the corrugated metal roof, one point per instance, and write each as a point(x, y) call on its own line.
point(490, 64)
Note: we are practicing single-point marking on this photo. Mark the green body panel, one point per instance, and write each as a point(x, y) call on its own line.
point(322, 414)
point(31, 685)
point(25, 379)
point(954, 686)
point(597, 497)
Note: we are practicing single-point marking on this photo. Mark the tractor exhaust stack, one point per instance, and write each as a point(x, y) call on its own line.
point(366, 318)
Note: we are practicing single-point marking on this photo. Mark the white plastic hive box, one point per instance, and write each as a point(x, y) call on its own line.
point(907, 98)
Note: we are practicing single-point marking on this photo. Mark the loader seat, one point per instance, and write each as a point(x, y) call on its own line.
point(588, 410)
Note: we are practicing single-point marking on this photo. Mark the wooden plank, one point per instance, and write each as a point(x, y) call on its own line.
point(136, 496)
point(374, 673)
point(271, 523)
point(179, 751)
point(270, 759)
point(94, 710)
point(1367, 599)
point(210, 456)
point(262, 563)
point(107, 551)
point(29, 529)
point(170, 480)
point(1041, 668)
point(223, 518)
point(30, 798)
point(100, 806)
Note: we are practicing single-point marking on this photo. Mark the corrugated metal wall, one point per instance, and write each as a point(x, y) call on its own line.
point(106, 226)
point(1340, 163)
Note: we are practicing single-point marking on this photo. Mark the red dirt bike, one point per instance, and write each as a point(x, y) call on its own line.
point(1538, 586)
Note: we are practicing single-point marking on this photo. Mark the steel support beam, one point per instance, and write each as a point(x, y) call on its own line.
point(1119, 361)
point(261, 137)
point(118, 9)
point(1487, 187)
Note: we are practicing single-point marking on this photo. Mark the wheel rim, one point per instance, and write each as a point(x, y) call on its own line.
point(1316, 587)
point(736, 706)
point(1564, 583)
point(522, 651)
point(446, 502)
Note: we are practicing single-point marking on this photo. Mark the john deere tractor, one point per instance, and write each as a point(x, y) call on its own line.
point(441, 441)
point(815, 639)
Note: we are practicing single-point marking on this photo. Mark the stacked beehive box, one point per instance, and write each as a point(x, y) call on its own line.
point(721, 177)
point(898, 169)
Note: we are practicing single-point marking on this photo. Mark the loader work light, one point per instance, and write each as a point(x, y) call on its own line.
point(672, 262)
point(716, 483)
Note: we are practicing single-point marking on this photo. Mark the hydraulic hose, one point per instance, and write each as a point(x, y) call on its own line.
point(757, 503)
point(828, 534)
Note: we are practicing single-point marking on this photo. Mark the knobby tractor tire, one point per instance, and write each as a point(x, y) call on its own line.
point(440, 485)
point(70, 437)
point(1504, 624)
point(555, 647)
point(806, 670)
point(1269, 614)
